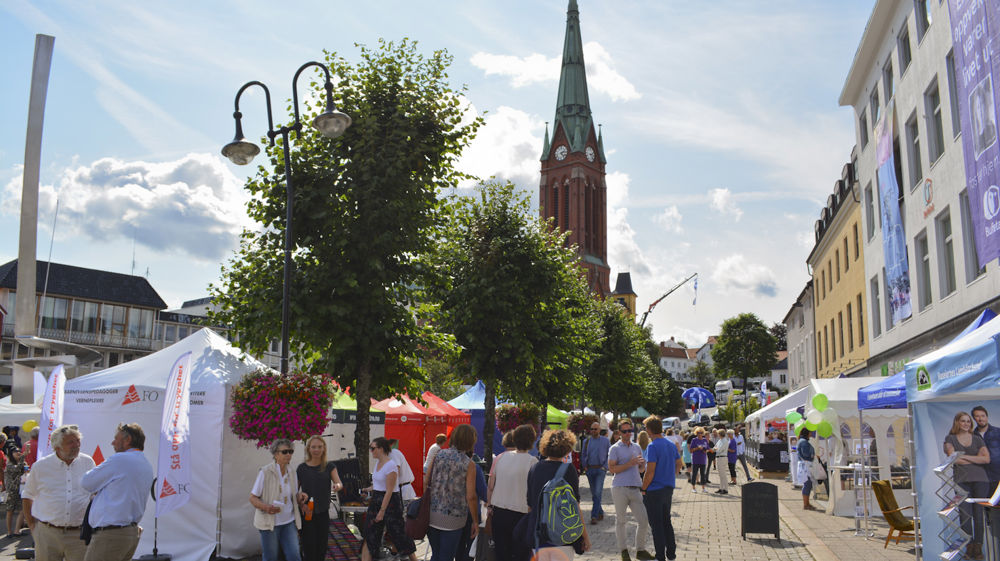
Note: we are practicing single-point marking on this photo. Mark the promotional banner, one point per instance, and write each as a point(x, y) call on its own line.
point(974, 30)
point(174, 468)
point(52, 410)
point(897, 269)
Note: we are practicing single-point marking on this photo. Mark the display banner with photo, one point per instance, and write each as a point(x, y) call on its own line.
point(897, 269)
point(974, 30)
point(945, 389)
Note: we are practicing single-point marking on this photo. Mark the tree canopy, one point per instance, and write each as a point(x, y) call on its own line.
point(365, 206)
point(745, 348)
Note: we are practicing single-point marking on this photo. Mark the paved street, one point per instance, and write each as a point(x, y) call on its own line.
point(708, 527)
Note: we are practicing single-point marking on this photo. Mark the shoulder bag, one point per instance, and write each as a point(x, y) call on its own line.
point(418, 513)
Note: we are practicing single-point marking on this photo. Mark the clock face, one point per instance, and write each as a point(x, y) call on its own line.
point(590, 154)
point(561, 152)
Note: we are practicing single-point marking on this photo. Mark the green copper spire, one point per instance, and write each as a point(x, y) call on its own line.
point(573, 102)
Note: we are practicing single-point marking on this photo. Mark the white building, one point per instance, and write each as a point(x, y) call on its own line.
point(800, 326)
point(704, 352)
point(677, 360)
point(904, 66)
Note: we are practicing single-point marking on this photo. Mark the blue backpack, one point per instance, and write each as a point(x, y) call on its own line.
point(559, 520)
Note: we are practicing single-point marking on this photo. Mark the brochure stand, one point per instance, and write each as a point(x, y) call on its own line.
point(952, 496)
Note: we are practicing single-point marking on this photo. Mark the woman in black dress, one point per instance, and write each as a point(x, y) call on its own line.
point(317, 477)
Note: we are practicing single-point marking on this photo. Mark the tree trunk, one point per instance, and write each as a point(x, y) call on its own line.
point(489, 422)
point(363, 393)
point(544, 417)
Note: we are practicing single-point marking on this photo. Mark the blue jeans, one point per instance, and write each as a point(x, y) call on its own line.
point(657, 505)
point(444, 543)
point(596, 478)
point(284, 536)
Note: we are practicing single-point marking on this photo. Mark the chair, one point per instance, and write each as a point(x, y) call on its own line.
point(898, 524)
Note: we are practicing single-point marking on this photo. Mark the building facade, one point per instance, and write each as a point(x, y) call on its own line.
point(677, 360)
point(800, 330)
point(837, 265)
point(904, 71)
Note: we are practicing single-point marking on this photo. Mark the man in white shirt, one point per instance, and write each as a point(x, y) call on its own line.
point(121, 486)
point(405, 479)
point(54, 500)
point(439, 441)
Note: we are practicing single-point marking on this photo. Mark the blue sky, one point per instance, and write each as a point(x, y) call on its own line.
point(721, 127)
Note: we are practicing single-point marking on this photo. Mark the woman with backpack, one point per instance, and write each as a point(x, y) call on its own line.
point(554, 446)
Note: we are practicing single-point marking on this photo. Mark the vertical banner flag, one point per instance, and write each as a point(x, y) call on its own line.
point(974, 27)
point(763, 394)
point(695, 301)
point(52, 410)
point(174, 467)
point(897, 270)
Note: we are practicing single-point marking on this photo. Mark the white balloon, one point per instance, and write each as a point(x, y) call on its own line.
point(815, 417)
point(830, 416)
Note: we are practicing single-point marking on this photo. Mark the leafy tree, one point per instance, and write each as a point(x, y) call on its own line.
point(515, 300)
point(443, 377)
point(703, 374)
point(366, 204)
point(780, 332)
point(615, 378)
point(745, 348)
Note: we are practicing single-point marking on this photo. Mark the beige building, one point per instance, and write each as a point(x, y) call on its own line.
point(838, 267)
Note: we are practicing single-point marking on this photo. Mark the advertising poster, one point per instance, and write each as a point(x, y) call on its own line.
point(897, 269)
point(974, 33)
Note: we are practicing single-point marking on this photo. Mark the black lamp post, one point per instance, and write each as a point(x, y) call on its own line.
point(331, 123)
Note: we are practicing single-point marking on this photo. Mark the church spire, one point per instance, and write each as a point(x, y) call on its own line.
point(573, 101)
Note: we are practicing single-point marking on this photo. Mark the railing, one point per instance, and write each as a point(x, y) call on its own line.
point(99, 339)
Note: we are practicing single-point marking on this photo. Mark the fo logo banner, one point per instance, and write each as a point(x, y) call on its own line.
point(923, 378)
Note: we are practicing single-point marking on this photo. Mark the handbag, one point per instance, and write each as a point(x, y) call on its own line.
point(817, 471)
point(418, 513)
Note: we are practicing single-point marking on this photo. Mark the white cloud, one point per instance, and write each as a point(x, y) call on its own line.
point(507, 146)
point(537, 68)
point(623, 248)
point(670, 219)
point(735, 273)
point(721, 200)
point(192, 206)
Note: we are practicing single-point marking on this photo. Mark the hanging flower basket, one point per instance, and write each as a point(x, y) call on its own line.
point(509, 417)
point(268, 406)
point(580, 422)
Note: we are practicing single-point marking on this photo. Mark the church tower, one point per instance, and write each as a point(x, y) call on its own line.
point(572, 190)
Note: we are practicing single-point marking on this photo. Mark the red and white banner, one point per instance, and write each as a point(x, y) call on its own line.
point(174, 466)
point(52, 410)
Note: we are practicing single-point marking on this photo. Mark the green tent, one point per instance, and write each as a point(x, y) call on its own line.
point(345, 410)
point(557, 418)
point(639, 413)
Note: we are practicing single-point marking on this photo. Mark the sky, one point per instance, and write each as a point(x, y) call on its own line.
point(721, 126)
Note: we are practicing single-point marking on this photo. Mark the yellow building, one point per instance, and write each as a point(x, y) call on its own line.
point(838, 268)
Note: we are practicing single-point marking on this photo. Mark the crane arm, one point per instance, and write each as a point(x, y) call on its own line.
point(658, 300)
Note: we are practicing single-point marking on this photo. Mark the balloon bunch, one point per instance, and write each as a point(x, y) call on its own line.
point(820, 417)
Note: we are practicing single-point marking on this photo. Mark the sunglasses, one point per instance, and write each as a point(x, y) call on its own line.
point(372, 448)
point(286, 452)
point(627, 431)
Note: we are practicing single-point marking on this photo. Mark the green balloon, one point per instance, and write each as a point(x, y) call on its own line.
point(820, 401)
point(810, 425)
point(824, 430)
point(793, 417)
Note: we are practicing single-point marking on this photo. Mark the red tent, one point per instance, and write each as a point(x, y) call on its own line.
point(406, 421)
point(450, 417)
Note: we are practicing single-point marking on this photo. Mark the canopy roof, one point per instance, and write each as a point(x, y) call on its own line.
point(887, 393)
point(473, 398)
point(455, 415)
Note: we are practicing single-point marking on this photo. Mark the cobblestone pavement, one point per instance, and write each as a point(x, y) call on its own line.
point(707, 527)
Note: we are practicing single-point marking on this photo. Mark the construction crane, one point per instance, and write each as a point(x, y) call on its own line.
point(645, 314)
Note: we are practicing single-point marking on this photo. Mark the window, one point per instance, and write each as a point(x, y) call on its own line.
point(956, 121)
point(861, 323)
point(923, 260)
point(903, 49)
point(833, 341)
point(946, 253)
point(847, 261)
point(874, 104)
point(850, 329)
point(826, 346)
point(54, 313)
point(887, 301)
point(840, 331)
point(822, 285)
point(819, 349)
point(857, 246)
point(972, 269)
point(922, 17)
point(863, 128)
point(829, 275)
point(913, 150)
point(887, 85)
point(935, 130)
point(169, 333)
point(836, 254)
point(869, 212)
point(876, 307)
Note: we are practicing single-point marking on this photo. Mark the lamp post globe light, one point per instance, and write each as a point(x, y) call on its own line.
point(331, 123)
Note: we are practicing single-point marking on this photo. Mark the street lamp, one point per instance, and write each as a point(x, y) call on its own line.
point(331, 123)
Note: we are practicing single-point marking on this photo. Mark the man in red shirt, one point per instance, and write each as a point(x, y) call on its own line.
point(31, 448)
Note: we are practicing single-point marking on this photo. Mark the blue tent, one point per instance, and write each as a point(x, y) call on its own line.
point(473, 402)
point(887, 393)
point(983, 319)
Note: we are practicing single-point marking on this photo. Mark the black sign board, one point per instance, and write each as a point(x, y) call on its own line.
point(759, 509)
point(348, 416)
point(771, 457)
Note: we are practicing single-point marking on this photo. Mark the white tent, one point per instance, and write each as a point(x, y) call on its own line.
point(223, 467)
point(757, 421)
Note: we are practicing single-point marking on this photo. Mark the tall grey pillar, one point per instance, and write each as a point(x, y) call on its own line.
point(22, 390)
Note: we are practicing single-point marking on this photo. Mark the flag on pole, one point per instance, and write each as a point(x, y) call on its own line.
point(52, 410)
point(763, 394)
point(695, 301)
point(174, 466)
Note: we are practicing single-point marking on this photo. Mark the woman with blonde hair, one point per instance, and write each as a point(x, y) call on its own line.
point(317, 478)
point(642, 440)
point(699, 459)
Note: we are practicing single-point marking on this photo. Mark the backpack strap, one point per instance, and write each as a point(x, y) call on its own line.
point(561, 472)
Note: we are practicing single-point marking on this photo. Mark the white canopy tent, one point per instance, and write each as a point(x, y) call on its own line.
point(757, 421)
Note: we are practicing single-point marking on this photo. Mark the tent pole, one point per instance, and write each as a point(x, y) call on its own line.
point(218, 502)
point(917, 553)
point(865, 473)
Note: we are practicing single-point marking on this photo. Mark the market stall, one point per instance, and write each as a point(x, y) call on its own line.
point(406, 421)
point(473, 402)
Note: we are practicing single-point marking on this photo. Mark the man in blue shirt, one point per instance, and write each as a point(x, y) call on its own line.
point(991, 435)
point(663, 463)
point(594, 458)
